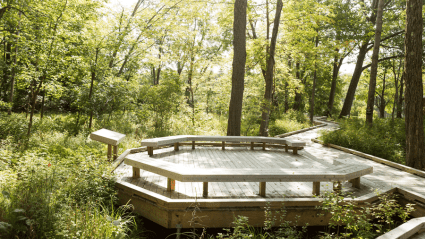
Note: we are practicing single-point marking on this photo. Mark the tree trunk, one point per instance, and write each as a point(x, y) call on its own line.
point(15, 61)
point(400, 98)
point(395, 99)
point(348, 102)
point(238, 73)
point(415, 155)
point(374, 67)
point(12, 80)
point(42, 105)
point(298, 97)
point(396, 85)
point(382, 103)
point(7, 67)
point(336, 66)
point(269, 74)
point(34, 93)
point(93, 78)
point(314, 81)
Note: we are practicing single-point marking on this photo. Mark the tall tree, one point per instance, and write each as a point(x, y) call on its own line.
point(238, 73)
point(269, 73)
point(313, 91)
point(374, 68)
point(415, 145)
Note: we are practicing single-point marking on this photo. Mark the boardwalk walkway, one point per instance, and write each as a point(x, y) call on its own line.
point(314, 155)
point(383, 176)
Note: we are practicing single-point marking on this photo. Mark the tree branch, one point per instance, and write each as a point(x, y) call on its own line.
point(382, 59)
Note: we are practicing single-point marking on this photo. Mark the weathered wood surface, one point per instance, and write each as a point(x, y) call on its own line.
point(407, 230)
point(181, 173)
point(156, 142)
point(107, 136)
point(314, 156)
point(227, 199)
point(230, 159)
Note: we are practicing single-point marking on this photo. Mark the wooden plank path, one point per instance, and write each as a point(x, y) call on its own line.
point(383, 177)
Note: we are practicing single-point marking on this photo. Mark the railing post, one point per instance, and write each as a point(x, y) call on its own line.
point(205, 190)
point(136, 172)
point(316, 188)
point(263, 189)
point(171, 185)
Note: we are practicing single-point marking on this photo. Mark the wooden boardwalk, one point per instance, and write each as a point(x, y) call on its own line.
point(173, 209)
point(238, 157)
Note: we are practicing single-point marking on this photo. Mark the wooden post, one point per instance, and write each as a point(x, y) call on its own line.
point(316, 188)
point(109, 152)
point(115, 152)
point(193, 144)
point(171, 185)
point(295, 150)
point(264, 145)
point(205, 190)
point(286, 148)
point(223, 145)
point(136, 172)
point(150, 151)
point(176, 146)
point(252, 145)
point(263, 189)
point(337, 186)
point(355, 182)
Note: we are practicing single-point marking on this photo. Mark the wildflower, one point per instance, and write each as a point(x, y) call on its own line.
point(49, 165)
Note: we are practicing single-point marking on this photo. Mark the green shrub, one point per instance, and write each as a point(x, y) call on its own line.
point(386, 138)
point(59, 185)
point(291, 121)
point(352, 221)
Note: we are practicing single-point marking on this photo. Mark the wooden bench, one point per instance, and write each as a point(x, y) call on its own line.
point(183, 174)
point(253, 141)
point(109, 137)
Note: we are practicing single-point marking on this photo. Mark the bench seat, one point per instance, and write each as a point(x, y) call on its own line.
point(184, 174)
point(169, 140)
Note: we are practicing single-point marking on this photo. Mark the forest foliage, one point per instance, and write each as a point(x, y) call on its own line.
point(163, 67)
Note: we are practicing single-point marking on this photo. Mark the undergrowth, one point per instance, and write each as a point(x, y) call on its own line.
point(386, 138)
point(58, 183)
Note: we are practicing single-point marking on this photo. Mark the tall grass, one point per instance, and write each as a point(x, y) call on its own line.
point(57, 184)
point(385, 138)
point(291, 121)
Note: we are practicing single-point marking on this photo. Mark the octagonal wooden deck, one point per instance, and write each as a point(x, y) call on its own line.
point(227, 199)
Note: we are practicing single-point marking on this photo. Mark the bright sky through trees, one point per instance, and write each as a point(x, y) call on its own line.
point(345, 68)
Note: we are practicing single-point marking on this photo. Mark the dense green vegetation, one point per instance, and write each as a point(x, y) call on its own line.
point(58, 183)
point(386, 138)
point(164, 67)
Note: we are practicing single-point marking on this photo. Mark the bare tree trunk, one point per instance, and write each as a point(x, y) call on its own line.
point(42, 105)
point(374, 67)
point(34, 93)
point(396, 80)
point(314, 82)
point(400, 98)
point(382, 103)
point(7, 67)
point(336, 66)
point(415, 146)
point(348, 102)
point(93, 78)
point(298, 97)
point(15, 61)
point(238, 73)
point(269, 74)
